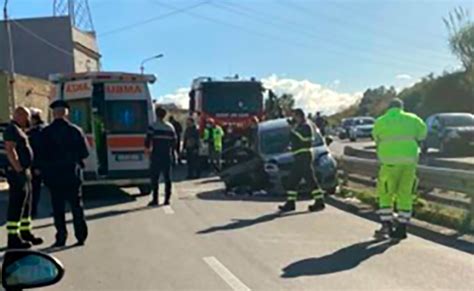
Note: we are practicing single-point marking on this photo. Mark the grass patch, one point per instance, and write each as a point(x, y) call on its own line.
point(423, 210)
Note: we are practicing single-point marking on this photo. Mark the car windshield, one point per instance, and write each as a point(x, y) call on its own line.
point(277, 141)
point(365, 121)
point(458, 120)
point(347, 122)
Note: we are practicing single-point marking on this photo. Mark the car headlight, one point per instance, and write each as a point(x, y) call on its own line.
point(271, 168)
point(452, 134)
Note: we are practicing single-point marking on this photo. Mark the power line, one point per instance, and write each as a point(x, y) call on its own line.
point(42, 39)
point(153, 19)
point(353, 25)
point(310, 30)
point(330, 42)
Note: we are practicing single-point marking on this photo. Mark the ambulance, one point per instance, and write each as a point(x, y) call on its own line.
point(114, 110)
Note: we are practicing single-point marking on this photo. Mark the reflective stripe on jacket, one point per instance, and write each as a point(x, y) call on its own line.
point(397, 134)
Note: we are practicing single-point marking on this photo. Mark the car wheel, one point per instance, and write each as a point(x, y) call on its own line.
point(144, 189)
point(353, 139)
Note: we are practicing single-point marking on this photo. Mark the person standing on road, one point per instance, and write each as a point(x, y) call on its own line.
point(178, 129)
point(213, 135)
point(34, 134)
point(302, 136)
point(191, 146)
point(160, 143)
point(63, 151)
point(321, 123)
point(18, 174)
point(397, 135)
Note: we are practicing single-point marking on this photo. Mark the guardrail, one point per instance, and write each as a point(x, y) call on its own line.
point(461, 181)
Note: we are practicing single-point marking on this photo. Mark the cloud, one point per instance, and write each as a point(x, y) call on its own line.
point(179, 97)
point(336, 82)
point(309, 96)
point(403, 77)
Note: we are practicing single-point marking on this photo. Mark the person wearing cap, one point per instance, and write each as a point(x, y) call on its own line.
point(34, 134)
point(397, 135)
point(302, 135)
point(191, 146)
point(160, 143)
point(18, 174)
point(213, 135)
point(63, 151)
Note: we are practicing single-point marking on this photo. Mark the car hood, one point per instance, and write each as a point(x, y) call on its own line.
point(367, 126)
point(461, 129)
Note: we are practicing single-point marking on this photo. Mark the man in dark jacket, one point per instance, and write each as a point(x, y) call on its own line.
point(178, 129)
point(34, 134)
point(191, 146)
point(63, 151)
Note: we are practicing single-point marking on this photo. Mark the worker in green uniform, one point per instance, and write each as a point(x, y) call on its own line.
point(213, 135)
point(301, 139)
point(397, 135)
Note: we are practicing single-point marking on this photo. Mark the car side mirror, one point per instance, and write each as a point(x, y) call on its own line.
point(329, 140)
point(23, 269)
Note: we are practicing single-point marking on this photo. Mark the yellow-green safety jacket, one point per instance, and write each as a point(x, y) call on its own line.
point(214, 136)
point(397, 134)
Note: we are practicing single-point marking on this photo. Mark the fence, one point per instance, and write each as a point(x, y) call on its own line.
point(461, 181)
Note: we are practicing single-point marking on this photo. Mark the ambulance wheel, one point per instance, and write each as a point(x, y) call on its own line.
point(144, 189)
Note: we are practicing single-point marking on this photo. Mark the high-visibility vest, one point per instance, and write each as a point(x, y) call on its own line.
point(217, 134)
point(397, 134)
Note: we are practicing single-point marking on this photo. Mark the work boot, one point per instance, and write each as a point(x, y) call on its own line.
point(385, 231)
point(317, 206)
point(29, 237)
point(288, 206)
point(400, 232)
point(15, 242)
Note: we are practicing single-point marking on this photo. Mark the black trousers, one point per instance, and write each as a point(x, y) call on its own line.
point(193, 162)
point(36, 183)
point(19, 203)
point(71, 193)
point(302, 168)
point(158, 169)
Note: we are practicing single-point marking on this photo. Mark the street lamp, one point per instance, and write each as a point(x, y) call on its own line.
point(142, 68)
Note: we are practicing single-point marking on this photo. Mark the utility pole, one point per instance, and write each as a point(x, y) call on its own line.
point(11, 79)
point(142, 65)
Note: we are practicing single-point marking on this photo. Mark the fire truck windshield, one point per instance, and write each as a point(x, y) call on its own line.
point(232, 98)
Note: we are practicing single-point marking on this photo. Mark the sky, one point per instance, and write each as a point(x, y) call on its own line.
point(326, 53)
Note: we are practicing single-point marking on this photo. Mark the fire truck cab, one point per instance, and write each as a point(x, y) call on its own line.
point(114, 110)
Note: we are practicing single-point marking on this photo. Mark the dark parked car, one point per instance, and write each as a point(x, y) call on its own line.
point(450, 133)
point(346, 125)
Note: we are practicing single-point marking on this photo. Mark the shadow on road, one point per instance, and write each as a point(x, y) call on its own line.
point(97, 197)
point(426, 233)
point(101, 215)
point(342, 260)
point(242, 223)
point(220, 195)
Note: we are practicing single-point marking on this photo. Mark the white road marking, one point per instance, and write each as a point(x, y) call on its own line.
point(168, 210)
point(225, 274)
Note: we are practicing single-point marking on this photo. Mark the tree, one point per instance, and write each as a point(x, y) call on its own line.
point(461, 36)
point(278, 106)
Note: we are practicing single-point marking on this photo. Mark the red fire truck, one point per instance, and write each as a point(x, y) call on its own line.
point(232, 103)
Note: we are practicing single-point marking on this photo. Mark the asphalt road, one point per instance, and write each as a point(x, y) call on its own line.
point(206, 241)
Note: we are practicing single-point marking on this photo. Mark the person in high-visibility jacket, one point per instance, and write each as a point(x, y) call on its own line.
point(213, 135)
point(397, 135)
point(302, 136)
